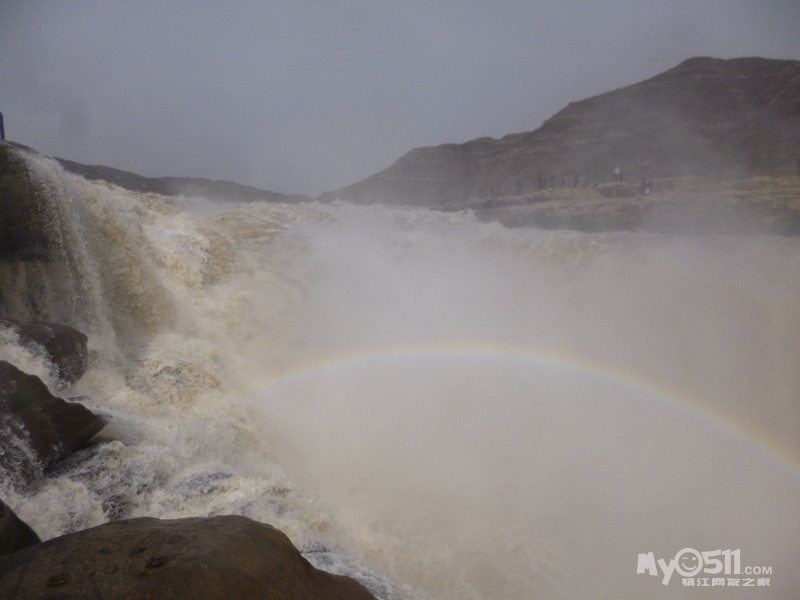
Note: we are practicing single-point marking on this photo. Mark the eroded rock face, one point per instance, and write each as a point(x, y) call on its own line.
point(53, 428)
point(65, 346)
point(185, 559)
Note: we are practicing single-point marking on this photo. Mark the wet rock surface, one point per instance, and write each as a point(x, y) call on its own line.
point(30, 415)
point(24, 231)
point(65, 346)
point(15, 534)
point(193, 559)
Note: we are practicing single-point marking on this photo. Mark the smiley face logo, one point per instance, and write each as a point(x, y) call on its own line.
point(688, 562)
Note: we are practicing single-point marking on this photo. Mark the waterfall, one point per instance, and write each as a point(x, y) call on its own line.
point(439, 407)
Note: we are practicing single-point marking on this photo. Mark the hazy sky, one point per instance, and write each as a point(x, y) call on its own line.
point(305, 96)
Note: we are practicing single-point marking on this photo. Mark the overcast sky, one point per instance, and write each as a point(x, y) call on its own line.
point(306, 96)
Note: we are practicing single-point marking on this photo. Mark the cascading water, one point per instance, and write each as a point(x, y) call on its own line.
point(439, 407)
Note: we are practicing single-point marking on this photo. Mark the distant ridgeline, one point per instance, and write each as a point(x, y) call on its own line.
point(709, 146)
point(707, 117)
point(174, 186)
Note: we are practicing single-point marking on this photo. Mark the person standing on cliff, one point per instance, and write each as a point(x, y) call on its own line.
point(2, 130)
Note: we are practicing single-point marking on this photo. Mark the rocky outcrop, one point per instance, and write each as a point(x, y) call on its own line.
point(64, 346)
point(24, 231)
point(30, 415)
point(186, 559)
point(707, 117)
point(15, 534)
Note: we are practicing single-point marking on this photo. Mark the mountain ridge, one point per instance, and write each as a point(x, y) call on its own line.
point(711, 145)
point(719, 118)
point(175, 186)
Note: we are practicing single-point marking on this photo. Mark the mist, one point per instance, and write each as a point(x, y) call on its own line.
point(440, 407)
point(511, 413)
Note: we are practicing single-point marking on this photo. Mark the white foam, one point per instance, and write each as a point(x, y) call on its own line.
point(429, 474)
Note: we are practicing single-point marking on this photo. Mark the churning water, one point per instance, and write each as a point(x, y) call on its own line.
point(439, 407)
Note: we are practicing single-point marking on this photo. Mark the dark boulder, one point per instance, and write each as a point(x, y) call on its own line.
point(65, 346)
point(53, 428)
point(15, 534)
point(185, 559)
point(24, 233)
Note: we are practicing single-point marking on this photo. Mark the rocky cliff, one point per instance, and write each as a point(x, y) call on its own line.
point(707, 117)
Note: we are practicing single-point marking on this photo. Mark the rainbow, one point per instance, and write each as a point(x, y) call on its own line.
point(569, 364)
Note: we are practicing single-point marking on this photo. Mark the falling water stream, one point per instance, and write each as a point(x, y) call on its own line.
point(437, 406)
